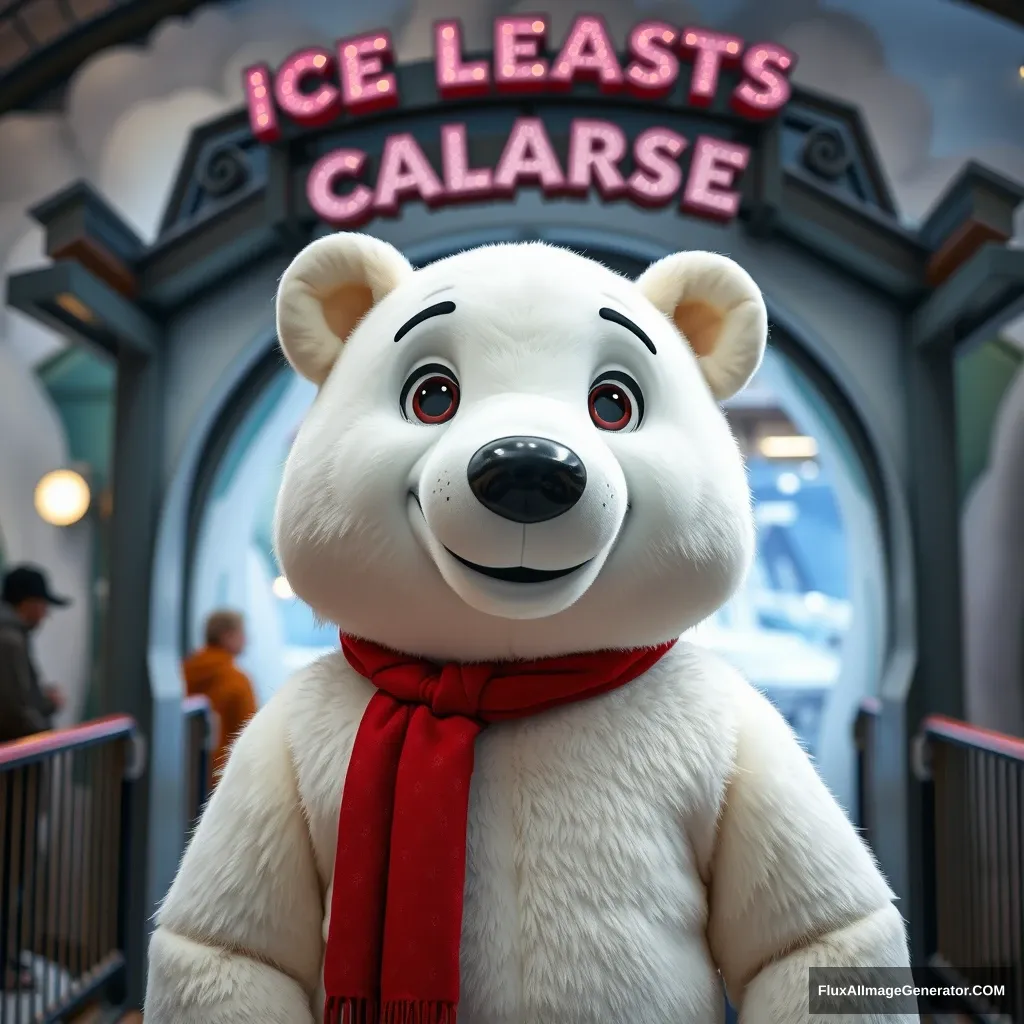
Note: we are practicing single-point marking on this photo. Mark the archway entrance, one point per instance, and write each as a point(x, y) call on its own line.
point(807, 629)
point(862, 309)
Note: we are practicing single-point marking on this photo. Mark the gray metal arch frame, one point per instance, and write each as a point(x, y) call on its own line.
point(879, 308)
point(420, 236)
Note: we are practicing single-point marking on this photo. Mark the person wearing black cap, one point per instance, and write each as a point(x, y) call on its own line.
point(26, 705)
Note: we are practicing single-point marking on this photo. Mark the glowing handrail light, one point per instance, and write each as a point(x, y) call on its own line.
point(62, 497)
point(788, 446)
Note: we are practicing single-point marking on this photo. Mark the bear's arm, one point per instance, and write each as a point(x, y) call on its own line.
point(239, 935)
point(791, 883)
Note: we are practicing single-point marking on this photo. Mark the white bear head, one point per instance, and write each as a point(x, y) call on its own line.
point(515, 452)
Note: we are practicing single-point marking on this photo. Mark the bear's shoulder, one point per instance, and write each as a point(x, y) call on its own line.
point(682, 721)
point(697, 691)
point(322, 703)
point(699, 676)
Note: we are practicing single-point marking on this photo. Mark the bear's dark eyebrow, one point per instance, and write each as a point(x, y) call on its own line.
point(623, 321)
point(438, 309)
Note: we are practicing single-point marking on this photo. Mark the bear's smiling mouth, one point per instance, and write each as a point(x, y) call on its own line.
point(506, 574)
point(516, 573)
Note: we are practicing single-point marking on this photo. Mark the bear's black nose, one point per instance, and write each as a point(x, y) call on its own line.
point(527, 479)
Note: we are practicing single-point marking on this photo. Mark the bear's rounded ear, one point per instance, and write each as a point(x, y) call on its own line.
point(329, 287)
point(718, 310)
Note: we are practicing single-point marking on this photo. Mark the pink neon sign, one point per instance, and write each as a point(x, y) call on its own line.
point(596, 152)
point(317, 86)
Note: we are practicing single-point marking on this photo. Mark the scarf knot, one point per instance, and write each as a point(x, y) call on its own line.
point(454, 690)
point(447, 690)
point(396, 910)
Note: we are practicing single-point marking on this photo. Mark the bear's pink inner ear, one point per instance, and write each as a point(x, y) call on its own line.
point(345, 307)
point(701, 324)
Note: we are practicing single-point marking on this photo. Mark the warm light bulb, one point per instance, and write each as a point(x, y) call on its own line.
point(62, 497)
point(282, 589)
point(788, 446)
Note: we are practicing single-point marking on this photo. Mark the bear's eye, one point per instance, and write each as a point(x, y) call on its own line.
point(430, 395)
point(616, 402)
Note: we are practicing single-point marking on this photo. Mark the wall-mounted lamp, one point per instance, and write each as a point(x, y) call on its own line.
point(788, 446)
point(62, 497)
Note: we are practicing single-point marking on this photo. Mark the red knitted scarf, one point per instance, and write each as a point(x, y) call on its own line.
point(396, 911)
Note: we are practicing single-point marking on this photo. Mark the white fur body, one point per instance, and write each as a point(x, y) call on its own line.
point(621, 852)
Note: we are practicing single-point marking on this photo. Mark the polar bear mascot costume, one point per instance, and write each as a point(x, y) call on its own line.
point(513, 795)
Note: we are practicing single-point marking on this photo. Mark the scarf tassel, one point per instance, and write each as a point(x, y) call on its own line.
point(367, 1011)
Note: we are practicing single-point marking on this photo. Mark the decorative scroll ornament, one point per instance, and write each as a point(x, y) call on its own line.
point(826, 153)
point(225, 170)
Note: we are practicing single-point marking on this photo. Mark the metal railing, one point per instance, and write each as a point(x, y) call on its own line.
point(199, 728)
point(65, 861)
point(974, 841)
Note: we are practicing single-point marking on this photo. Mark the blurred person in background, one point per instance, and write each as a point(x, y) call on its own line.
point(211, 672)
point(27, 706)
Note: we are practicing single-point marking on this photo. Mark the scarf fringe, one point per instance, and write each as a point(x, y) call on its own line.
point(367, 1011)
point(351, 1011)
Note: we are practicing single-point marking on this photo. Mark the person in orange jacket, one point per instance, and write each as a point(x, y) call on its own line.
point(211, 672)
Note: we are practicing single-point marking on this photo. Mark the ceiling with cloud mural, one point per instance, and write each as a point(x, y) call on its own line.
point(937, 82)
